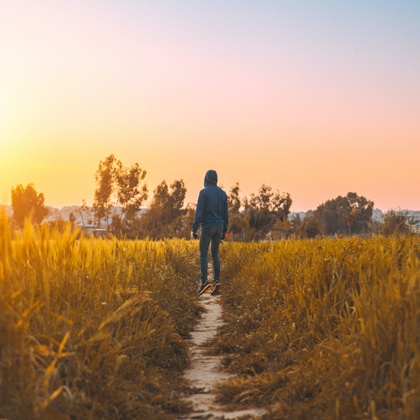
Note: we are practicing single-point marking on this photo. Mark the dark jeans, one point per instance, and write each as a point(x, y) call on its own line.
point(209, 235)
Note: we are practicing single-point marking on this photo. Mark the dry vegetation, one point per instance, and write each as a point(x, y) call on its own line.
point(93, 328)
point(325, 328)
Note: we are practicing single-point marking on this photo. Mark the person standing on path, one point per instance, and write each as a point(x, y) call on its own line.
point(212, 216)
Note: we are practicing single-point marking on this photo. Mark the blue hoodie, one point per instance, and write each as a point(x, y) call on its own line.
point(212, 207)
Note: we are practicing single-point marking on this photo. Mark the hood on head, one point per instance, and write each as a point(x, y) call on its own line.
point(210, 178)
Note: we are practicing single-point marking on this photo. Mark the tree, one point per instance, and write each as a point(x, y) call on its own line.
point(265, 208)
point(120, 194)
point(105, 178)
point(281, 229)
point(311, 227)
point(186, 222)
point(397, 223)
point(345, 215)
point(28, 204)
point(176, 199)
point(268, 201)
point(84, 209)
point(131, 194)
point(234, 201)
point(237, 223)
point(164, 218)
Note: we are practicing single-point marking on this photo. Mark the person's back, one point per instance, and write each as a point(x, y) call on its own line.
point(212, 216)
point(212, 204)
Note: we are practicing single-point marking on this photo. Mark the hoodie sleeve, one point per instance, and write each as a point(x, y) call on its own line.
point(199, 212)
point(225, 216)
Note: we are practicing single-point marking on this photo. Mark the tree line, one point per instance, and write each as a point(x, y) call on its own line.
point(121, 193)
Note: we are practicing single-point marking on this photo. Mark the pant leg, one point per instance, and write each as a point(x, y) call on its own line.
point(205, 239)
point(215, 245)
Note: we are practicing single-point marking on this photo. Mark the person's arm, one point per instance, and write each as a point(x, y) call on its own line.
point(199, 212)
point(225, 216)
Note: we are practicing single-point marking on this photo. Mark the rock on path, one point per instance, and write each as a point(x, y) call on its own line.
point(205, 371)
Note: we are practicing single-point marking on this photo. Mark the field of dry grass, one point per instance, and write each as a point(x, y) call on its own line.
point(323, 328)
point(93, 328)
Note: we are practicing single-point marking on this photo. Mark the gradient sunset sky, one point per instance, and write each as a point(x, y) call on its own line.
point(314, 98)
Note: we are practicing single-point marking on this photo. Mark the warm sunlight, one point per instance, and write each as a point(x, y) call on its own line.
point(235, 87)
point(156, 154)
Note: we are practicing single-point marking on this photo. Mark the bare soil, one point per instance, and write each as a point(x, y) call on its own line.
point(206, 371)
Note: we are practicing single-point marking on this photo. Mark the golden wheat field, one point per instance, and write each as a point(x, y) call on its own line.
point(95, 328)
point(324, 328)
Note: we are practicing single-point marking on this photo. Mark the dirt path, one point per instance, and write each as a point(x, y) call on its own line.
point(205, 371)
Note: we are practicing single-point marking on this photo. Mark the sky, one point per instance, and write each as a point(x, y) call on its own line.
point(313, 98)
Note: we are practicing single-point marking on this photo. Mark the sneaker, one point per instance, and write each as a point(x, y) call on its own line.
point(203, 288)
point(216, 289)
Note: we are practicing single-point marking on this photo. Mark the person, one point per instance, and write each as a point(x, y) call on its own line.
point(212, 217)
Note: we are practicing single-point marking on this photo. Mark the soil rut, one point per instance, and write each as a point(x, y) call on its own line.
point(205, 371)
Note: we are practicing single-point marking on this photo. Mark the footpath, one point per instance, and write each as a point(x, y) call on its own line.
point(206, 371)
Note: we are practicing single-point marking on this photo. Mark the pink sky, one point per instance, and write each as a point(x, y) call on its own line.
point(314, 99)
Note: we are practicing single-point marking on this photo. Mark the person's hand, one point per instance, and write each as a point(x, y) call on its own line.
point(193, 235)
point(227, 236)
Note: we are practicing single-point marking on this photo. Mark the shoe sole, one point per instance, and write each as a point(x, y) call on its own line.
point(204, 289)
point(216, 290)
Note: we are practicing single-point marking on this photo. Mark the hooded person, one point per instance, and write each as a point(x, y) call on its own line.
point(211, 216)
point(210, 178)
